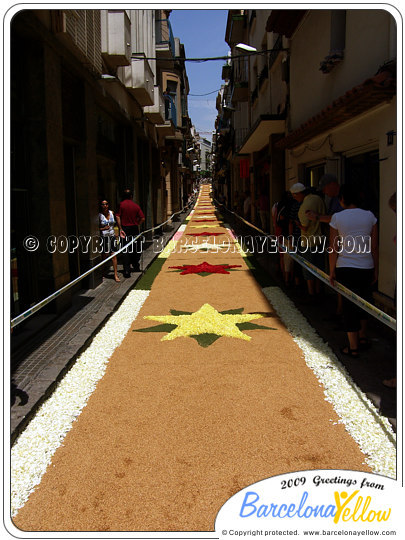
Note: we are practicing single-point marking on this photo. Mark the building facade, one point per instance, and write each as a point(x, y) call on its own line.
point(321, 99)
point(89, 117)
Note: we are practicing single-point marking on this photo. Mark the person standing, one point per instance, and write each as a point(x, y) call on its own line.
point(353, 263)
point(281, 220)
point(129, 219)
point(106, 226)
point(330, 187)
point(311, 233)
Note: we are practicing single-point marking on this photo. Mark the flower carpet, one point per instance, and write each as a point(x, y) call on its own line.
point(200, 384)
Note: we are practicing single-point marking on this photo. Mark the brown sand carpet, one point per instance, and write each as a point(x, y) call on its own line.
point(174, 428)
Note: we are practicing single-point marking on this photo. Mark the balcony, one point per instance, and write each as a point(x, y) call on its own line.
point(240, 136)
point(237, 26)
point(226, 72)
point(138, 78)
point(176, 136)
point(76, 29)
point(240, 80)
point(165, 47)
point(115, 37)
point(166, 130)
point(156, 112)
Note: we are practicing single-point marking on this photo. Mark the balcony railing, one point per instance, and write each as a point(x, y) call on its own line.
point(240, 79)
point(240, 136)
point(240, 70)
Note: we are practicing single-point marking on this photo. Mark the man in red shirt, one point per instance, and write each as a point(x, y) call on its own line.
point(129, 218)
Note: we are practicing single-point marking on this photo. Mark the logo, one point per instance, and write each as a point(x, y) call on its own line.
point(303, 503)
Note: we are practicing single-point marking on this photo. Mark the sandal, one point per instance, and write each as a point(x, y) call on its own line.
point(347, 351)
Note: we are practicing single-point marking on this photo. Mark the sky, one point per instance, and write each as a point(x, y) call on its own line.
point(202, 31)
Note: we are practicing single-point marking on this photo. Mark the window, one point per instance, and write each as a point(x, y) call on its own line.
point(337, 31)
point(337, 40)
point(313, 175)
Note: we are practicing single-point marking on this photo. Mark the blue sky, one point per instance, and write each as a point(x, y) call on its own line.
point(202, 31)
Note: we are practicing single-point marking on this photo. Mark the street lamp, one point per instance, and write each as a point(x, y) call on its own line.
point(244, 47)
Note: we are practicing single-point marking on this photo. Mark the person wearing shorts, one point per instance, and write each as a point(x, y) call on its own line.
point(353, 262)
point(109, 241)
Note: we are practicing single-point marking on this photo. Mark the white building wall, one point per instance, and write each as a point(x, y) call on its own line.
point(143, 34)
point(368, 45)
point(360, 135)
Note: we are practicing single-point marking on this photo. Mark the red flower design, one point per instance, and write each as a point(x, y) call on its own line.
point(205, 267)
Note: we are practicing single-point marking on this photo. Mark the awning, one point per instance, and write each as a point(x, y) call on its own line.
point(372, 92)
point(266, 125)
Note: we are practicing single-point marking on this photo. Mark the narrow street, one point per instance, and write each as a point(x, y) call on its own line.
point(204, 380)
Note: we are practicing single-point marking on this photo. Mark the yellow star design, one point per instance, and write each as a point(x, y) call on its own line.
point(207, 320)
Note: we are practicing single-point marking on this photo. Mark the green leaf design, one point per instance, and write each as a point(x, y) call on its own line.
point(166, 327)
point(147, 279)
point(237, 311)
point(176, 312)
point(205, 340)
point(253, 326)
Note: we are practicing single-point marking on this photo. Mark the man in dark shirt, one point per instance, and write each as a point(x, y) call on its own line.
point(129, 218)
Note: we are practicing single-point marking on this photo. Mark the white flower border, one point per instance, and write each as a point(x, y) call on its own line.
point(34, 448)
point(372, 432)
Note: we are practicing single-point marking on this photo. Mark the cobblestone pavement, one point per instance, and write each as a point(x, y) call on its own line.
point(50, 346)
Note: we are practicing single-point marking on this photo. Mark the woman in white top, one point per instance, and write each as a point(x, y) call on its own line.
point(106, 226)
point(353, 262)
